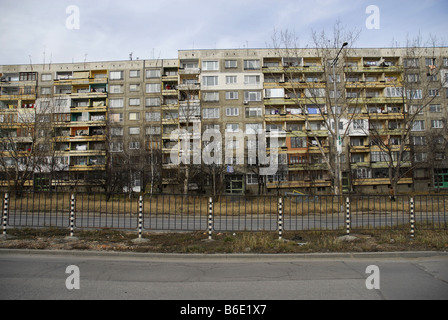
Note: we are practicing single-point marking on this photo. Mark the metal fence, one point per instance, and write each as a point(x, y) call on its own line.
point(224, 213)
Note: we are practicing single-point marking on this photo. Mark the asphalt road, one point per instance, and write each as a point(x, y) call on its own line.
point(31, 275)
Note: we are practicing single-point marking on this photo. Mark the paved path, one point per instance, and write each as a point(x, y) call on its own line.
point(42, 275)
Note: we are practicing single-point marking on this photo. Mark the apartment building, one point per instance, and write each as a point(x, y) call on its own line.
point(372, 119)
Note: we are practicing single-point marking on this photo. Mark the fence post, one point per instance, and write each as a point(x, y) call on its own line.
point(412, 217)
point(280, 218)
point(210, 218)
point(140, 217)
point(347, 217)
point(72, 216)
point(5, 213)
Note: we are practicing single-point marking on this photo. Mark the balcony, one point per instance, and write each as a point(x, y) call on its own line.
point(374, 69)
point(298, 184)
point(382, 181)
point(292, 70)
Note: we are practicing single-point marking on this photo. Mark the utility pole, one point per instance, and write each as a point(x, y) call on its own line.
point(338, 142)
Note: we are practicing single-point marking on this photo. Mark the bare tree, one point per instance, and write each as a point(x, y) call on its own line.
point(315, 87)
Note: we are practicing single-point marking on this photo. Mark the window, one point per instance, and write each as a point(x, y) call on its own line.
point(134, 145)
point(251, 80)
point(420, 156)
point(436, 124)
point(232, 95)
point(251, 64)
point(418, 141)
point(434, 92)
point(134, 116)
point(134, 87)
point(231, 64)
point(210, 80)
point(134, 102)
point(116, 89)
point(414, 94)
point(379, 156)
point(45, 91)
point(116, 147)
point(211, 96)
point(153, 102)
point(298, 142)
point(232, 127)
point(254, 112)
point(210, 113)
point(252, 96)
point(231, 80)
point(413, 109)
point(153, 130)
point(116, 75)
point(411, 63)
point(232, 112)
point(116, 117)
point(153, 88)
point(46, 77)
point(252, 128)
point(418, 125)
point(445, 62)
point(413, 78)
point(252, 178)
point(116, 103)
point(134, 130)
point(134, 73)
point(210, 65)
point(435, 108)
point(116, 132)
point(152, 116)
point(358, 124)
point(392, 92)
point(430, 62)
point(152, 73)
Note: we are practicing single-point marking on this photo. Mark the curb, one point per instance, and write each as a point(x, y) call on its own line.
point(230, 257)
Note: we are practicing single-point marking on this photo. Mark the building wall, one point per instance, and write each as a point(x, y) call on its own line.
point(144, 101)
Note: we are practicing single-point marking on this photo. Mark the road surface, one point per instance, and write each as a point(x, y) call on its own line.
point(43, 275)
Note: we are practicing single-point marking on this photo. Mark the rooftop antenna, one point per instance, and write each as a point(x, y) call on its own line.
point(44, 57)
point(85, 59)
point(130, 56)
point(31, 62)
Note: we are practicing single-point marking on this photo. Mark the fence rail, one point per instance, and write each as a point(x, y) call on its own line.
point(224, 213)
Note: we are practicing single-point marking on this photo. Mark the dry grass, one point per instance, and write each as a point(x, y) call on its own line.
point(240, 242)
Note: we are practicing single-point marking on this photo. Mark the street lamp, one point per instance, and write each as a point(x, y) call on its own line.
point(338, 141)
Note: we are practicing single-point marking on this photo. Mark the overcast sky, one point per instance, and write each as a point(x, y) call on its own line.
point(112, 29)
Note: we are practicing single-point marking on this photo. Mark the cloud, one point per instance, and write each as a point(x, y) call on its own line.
point(111, 29)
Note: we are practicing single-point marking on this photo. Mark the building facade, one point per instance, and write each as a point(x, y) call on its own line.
point(372, 119)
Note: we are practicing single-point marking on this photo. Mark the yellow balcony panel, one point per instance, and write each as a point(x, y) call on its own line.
point(360, 149)
point(88, 167)
point(5, 183)
point(189, 71)
point(88, 109)
point(87, 138)
point(5, 97)
point(88, 123)
point(373, 69)
point(88, 95)
point(166, 92)
point(189, 87)
point(382, 181)
point(298, 184)
point(79, 153)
